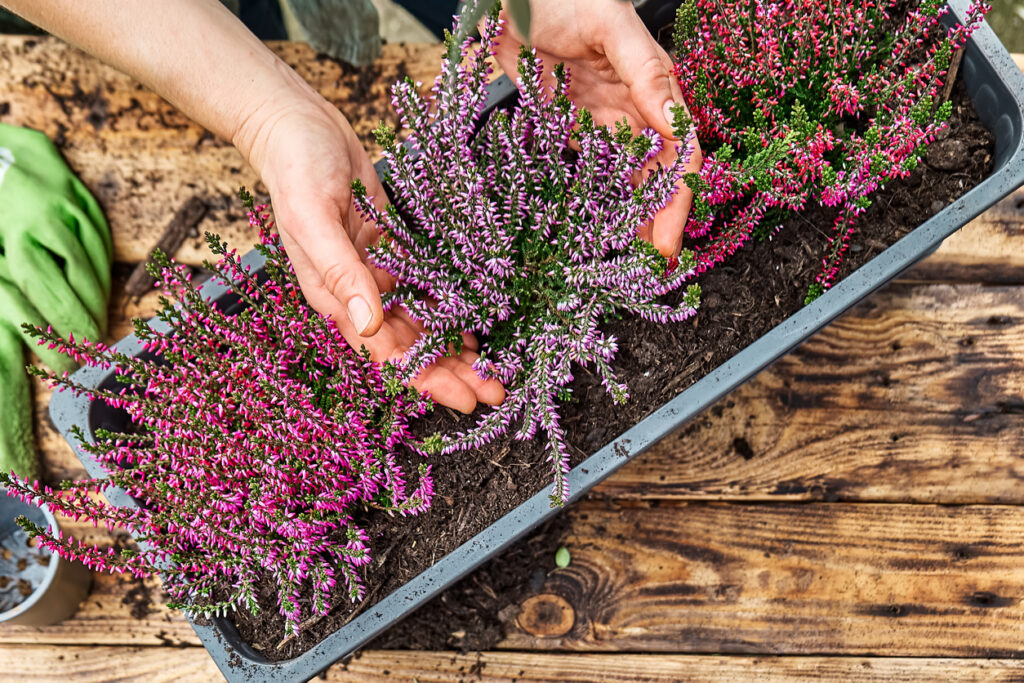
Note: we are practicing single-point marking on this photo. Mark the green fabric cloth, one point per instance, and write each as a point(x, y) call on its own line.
point(55, 256)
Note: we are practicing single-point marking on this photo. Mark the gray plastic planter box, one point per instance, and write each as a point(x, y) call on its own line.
point(995, 86)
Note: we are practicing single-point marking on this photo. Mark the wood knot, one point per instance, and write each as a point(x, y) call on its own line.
point(546, 616)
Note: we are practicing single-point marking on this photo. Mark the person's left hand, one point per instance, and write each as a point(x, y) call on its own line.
point(616, 70)
point(308, 154)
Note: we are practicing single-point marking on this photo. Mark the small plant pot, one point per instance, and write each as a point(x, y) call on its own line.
point(37, 588)
point(996, 88)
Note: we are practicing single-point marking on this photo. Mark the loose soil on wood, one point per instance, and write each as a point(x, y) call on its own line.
point(743, 299)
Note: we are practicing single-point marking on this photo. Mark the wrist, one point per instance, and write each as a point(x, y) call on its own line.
point(261, 112)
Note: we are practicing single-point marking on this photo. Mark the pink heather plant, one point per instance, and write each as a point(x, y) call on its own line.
point(806, 101)
point(256, 440)
point(513, 236)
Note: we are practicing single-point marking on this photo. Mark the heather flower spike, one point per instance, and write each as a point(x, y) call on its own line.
point(501, 229)
point(254, 444)
point(806, 101)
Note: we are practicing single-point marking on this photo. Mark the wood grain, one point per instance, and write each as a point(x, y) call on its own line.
point(143, 159)
point(105, 618)
point(852, 579)
point(985, 250)
point(856, 579)
point(38, 664)
point(917, 394)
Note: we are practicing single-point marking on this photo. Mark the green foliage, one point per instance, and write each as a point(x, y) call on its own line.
point(813, 292)
point(686, 22)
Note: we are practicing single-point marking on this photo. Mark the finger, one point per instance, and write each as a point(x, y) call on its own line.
point(389, 343)
point(445, 388)
point(336, 265)
point(468, 340)
point(642, 65)
point(461, 366)
point(668, 225)
point(381, 344)
point(437, 379)
point(487, 391)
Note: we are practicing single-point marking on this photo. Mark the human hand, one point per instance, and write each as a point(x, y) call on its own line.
point(617, 70)
point(308, 154)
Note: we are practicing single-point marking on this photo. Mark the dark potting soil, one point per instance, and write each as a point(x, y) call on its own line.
point(744, 298)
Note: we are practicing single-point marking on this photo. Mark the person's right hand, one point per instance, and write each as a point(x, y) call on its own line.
point(308, 154)
point(617, 71)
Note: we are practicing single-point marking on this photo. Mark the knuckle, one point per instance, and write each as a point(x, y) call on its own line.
point(339, 278)
point(652, 65)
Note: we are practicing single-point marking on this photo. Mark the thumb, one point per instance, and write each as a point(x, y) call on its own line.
point(646, 70)
point(350, 281)
point(326, 261)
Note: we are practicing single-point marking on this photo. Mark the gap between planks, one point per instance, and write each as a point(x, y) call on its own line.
point(36, 664)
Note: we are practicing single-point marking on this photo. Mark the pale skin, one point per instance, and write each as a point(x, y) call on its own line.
point(204, 61)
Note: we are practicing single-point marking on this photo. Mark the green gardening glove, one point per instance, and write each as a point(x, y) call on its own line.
point(55, 255)
point(16, 447)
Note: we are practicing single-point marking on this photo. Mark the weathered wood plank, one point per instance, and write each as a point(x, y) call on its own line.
point(985, 250)
point(118, 611)
point(39, 663)
point(903, 580)
point(853, 579)
point(156, 665)
point(143, 159)
point(917, 394)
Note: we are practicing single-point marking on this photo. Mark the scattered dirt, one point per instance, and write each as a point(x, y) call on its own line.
point(94, 103)
point(139, 597)
point(755, 290)
point(466, 617)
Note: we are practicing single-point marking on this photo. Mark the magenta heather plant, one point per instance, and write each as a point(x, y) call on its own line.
point(256, 440)
point(806, 101)
point(513, 236)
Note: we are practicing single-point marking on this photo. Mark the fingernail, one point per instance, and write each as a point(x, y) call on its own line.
point(359, 313)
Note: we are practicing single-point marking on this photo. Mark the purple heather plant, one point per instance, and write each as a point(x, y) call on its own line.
point(804, 101)
point(256, 440)
point(522, 229)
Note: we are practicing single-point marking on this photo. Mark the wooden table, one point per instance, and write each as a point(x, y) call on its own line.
point(854, 511)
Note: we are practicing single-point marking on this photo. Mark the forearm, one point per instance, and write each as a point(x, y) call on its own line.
point(194, 53)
